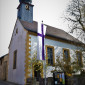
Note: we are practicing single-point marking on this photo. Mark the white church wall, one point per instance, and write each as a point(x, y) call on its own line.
point(58, 50)
point(17, 43)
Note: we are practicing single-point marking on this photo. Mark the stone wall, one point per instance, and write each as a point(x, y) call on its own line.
point(74, 80)
point(32, 81)
point(79, 80)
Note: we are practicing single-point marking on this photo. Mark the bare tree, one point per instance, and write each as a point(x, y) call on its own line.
point(76, 15)
point(66, 66)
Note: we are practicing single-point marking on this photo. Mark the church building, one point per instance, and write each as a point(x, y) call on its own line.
point(23, 66)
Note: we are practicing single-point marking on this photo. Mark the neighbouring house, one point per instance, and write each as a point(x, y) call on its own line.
point(4, 67)
point(23, 47)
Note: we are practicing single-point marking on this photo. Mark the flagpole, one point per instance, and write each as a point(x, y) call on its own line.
point(45, 71)
point(43, 56)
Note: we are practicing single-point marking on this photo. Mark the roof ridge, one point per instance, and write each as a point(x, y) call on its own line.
point(51, 31)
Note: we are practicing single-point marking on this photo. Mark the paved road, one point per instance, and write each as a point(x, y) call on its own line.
point(6, 83)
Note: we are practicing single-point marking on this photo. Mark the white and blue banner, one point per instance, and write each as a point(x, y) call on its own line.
point(40, 43)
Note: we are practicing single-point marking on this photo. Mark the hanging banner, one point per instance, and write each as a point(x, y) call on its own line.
point(40, 41)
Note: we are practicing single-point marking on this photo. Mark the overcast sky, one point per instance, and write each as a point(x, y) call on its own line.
point(50, 11)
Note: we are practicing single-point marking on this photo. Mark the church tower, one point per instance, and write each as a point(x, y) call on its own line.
point(25, 10)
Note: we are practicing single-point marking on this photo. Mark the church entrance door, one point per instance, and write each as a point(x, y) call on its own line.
point(37, 72)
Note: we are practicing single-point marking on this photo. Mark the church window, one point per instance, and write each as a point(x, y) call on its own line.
point(1, 62)
point(79, 57)
point(66, 54)
point(15, 59)
point(50, 55)
point(16, 30)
